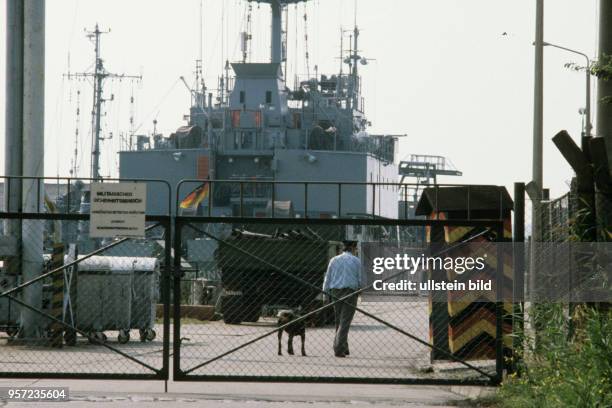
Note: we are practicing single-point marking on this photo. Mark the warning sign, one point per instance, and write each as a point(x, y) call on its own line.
point(118, 210)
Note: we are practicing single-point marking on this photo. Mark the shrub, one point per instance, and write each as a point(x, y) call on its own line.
point(562, 370)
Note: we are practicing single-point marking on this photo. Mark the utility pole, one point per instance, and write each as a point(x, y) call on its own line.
point(604, 88)
point(534, 188)
point(13, 151)
point(98, 75)
point(33, 162)
point(604, 127)
point(538, 99)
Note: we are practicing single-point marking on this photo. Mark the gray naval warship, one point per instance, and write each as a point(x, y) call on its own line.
point(257, 128)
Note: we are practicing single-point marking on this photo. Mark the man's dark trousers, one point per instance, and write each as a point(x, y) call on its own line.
point(343, 313)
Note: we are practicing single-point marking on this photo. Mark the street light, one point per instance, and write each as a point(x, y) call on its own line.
point(589, 126)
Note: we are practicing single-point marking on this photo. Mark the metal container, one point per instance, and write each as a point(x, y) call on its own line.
point(145, 296)
point(104, 296)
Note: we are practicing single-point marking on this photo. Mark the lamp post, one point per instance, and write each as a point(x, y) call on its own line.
point(588, 126)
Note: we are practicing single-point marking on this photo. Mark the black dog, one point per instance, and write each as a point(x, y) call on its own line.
point(293, 329)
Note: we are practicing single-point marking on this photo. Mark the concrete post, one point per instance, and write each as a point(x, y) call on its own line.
point(14, 103)
point(538, 137)
point(33, 159)
point(13, 150)
point(538, 96)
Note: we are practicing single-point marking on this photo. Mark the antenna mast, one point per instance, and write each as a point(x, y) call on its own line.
point(74, 167)
point(200, 85)
point(99, 75)
point(201, 52)
point(341, 50)
point(132, 130)
point(276, 41)
point(306, 54)
point(247, 36)
point(355, 57)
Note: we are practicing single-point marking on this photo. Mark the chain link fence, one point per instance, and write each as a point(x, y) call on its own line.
point(548, 266)
point(568, 257)
point(79, 307)
point(241, 279)
point(75, 306)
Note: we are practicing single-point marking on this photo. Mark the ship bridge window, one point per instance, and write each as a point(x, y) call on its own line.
point(268, 97)
point(242, 96)
point(247, 140)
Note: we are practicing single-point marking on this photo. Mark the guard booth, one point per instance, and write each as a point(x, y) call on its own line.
point(464, 322)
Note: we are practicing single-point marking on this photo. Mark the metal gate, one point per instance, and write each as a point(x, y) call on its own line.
point(234, 275)
point(76, 307)
point(231, 274)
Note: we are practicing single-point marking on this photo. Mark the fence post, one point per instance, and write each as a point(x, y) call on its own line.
point(165, 297)
point(518, 279)
point(241, 199)
point(57, 298)
point(405, 202)
point(438, 319)
point(176, 300)
point(273, 197)
point(339, 200)
point(305, 200)
point(373, 200)
point(499, 305)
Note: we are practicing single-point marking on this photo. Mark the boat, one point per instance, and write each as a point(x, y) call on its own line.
point(258, 128)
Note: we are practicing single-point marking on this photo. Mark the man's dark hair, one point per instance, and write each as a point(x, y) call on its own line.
point(349, 245)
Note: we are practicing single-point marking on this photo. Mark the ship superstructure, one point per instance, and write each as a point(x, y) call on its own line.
point(257, 127)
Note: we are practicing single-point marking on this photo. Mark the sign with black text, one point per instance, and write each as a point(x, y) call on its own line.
point(117, 210)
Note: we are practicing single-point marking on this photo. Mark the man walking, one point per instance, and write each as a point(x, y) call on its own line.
point(343, 277)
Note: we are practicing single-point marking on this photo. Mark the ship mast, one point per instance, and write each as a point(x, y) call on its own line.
point(276, 42)
point(355, 57)
point(74, 166)
point(277, 28)
point(98, 75)
point(97, 105)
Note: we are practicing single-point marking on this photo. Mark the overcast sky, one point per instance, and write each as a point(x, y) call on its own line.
point(442, 72)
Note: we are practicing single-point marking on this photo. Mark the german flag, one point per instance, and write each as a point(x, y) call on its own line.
point(194, 198)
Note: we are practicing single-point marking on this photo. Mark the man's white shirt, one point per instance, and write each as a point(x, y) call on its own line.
point(343, 271)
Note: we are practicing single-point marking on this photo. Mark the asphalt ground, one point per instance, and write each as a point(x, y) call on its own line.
point(377, 351)
point(149, 394)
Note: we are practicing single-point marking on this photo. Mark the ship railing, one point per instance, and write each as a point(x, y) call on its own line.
point(62, 195)
point(340, 199)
